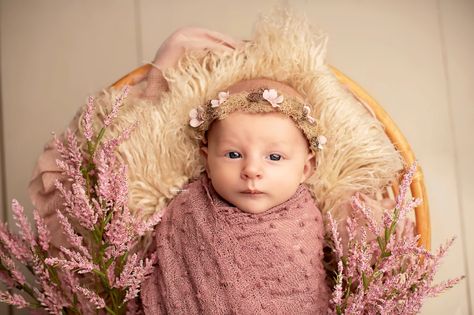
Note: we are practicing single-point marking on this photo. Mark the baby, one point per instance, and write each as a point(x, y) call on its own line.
point(246, 237)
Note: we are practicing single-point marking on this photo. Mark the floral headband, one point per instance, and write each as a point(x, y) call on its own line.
point(262, 100)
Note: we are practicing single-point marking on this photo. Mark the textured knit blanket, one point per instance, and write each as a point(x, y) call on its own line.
point(217, 259)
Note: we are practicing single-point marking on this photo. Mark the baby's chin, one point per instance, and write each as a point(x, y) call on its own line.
point(255, 207)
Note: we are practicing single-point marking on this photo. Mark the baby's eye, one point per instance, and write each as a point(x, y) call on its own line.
point(275, 157)
point(233, 155)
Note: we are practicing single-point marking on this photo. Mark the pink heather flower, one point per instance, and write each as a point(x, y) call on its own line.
point(13, 299)
point(409, 246)
point(73, 238)
point(405, 185)
point(134, 274)
point(15, 245)
point(272, 97)
point(69, 282)
point(76, 261)
point(335, 237)
point(120, 232)
point(387, 217)
point(71, 157)
point(92, 297)
point(363, 256)
point(78, 205)
point(115, 107)
point(82, 209)
point(356, 305)
point(112, 179)
point(443, 286)
point(87, 119)
point(67, 169)
point(83, 205)
point(196, 117)
point(338, 291)
point(145, 226)
point(110, 146)
point(60, 146)
point(40, 271)
point(359, 206)
point(51, 298)
point(22, 223)
point(105, 175)
point(74, 155)
point(8, 263)
point(351, 228)
point(391, 274)
point(444, 248)
point(126, 277)
point(44, 235)
point(121, 186)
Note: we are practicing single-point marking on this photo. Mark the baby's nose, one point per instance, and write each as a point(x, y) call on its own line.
point(252, 169)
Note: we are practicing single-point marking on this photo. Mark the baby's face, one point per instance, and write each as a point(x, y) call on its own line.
point(257, 161)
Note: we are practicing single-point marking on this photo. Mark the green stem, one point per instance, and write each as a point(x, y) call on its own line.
point(110, 311)
point(97, 140)
point(388, 233)
point(25, 287)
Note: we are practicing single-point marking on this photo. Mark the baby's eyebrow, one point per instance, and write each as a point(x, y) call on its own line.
point(278, 144)
point(227, 141)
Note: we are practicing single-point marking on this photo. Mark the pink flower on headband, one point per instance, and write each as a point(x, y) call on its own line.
point(223, 96)
point(272, 97)
point(322, 140)
point(196, 117)
point(306, 111)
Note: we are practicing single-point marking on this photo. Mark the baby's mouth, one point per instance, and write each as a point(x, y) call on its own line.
point(252, 192)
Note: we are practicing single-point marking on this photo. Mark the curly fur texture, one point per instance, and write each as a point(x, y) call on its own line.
point(162, 157)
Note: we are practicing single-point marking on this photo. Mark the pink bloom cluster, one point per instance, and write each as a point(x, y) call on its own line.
point(101, 269)
point(388, 274)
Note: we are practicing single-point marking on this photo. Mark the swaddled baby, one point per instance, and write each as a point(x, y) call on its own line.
point(246, 237)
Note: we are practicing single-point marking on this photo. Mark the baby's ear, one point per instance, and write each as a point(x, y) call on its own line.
point(309, 167)
point(204, 153)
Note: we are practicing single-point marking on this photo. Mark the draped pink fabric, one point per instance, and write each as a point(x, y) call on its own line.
point(217, 259)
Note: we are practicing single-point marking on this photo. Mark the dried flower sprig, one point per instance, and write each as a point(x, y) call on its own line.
point(101, 268)
point(388, 274)
point(272, 97)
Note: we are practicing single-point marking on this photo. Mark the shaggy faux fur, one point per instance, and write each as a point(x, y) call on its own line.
point(162, 157)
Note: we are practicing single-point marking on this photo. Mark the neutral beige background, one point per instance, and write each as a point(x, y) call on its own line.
point(415, 57)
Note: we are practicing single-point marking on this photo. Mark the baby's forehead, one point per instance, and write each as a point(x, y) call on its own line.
point(242, 121)
point(271, 127)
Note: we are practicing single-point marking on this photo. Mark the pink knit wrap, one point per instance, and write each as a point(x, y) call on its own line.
point(217, 259)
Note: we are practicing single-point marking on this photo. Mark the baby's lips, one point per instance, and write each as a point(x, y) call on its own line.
point(251, 191)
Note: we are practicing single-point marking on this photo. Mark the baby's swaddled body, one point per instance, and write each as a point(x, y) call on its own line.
point(217, 259)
